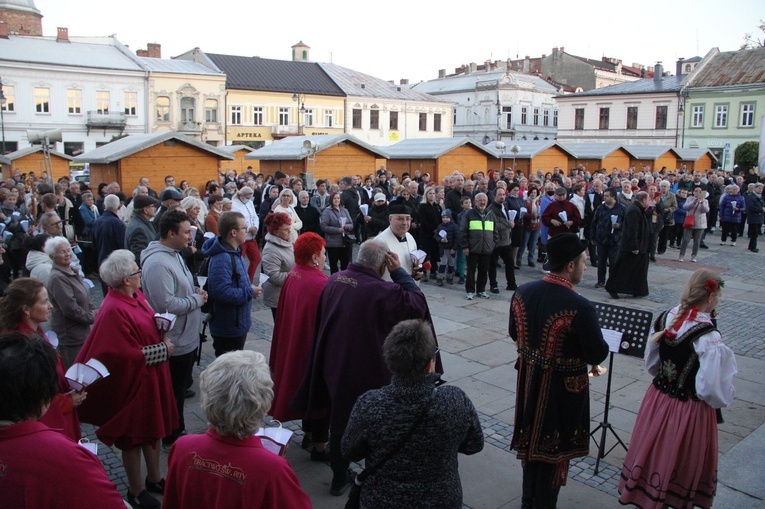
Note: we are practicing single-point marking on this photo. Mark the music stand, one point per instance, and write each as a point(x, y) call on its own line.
point(635, 326)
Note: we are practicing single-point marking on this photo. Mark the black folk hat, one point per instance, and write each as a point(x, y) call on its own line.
point(561, 249)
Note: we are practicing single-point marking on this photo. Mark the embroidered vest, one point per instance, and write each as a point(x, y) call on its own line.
point(679, 362)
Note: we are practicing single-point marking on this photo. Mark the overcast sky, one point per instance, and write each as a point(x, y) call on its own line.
point(413, 39)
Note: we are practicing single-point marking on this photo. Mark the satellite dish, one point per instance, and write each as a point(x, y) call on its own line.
point(46, 137)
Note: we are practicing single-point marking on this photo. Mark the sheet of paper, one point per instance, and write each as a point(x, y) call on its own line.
point(364, 209)
point(613, 338)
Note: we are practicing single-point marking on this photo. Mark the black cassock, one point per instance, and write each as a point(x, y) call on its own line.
point(630, 272)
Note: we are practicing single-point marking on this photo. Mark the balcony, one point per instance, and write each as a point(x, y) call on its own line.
point(189, 127)
point(281, 131)
point(98, 120)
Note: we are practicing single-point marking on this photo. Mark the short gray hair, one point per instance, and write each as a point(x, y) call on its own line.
point(45, 219)
point(112, 202)
point(236, 392)
point(303, 193)
point(372, 254)
point(117, 267)
point(53, 244)
point(190, 202)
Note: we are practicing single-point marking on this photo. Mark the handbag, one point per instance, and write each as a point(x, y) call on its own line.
point(690, 219)
point(354, 496)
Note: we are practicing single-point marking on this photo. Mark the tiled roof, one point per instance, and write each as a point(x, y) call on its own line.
point(644, 86)
point(135, 143)
point(172, 66)
point(292, 149)
point(92, 52)
point(351, 82)
point(731, 68)
point(268, 75)
point(428, 148)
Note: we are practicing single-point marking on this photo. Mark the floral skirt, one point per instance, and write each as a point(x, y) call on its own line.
point(672, 458)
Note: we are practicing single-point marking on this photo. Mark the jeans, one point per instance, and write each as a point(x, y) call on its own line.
point(478, 262)
point(607, 256)
point(530, 238)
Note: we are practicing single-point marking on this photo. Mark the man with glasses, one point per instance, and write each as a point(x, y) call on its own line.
point(140, 231)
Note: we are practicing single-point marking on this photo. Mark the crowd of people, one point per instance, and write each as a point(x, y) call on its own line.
point(202, 258)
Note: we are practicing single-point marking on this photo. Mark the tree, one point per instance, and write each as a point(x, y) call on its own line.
point(747, 153)
point(751, 42)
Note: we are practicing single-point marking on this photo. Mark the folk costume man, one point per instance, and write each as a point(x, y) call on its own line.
point(557, 334)
point(630, 273)
point(357, 310)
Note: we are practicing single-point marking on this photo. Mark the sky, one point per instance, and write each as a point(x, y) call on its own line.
point(413, 39)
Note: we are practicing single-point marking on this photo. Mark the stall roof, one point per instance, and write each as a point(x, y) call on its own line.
point(33, 149)
point(646, 151)
point(693, 154)
point(429, 148)
point(528, 148)
point(291, 149)
point(590, 150)
point(235, 148)
point(135, 143)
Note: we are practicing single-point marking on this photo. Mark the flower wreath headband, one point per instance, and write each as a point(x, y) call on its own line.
point(713, 285)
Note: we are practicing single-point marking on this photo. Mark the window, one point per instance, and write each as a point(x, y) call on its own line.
point(284, 116)
point(423, 121)
point(721, 115)
point(329, 118)
point(257, 115)
point(604, 114)
point(632, 117)
point(555, 118)
point(211, 110)
point(131, 103)
point(9, 91)
point(308, 117)
point(73, 148)
point(507, 113)
point(536, 116)
point(698, 116)
point(546, 118)
point(236, 115)
point(42, 100)
point(393, 124)
point(747, 115)
point(74, 101)
point(356, 119)
point(524, 115)
point(661, 117)
point(437, 122)
point(454, 116)
point(102, 102)
point(687, 68)
point(187, 109)
point(163, 109)
point(579, 119)
point(374, 119)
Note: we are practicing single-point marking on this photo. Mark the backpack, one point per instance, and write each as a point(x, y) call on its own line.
point(208, 306)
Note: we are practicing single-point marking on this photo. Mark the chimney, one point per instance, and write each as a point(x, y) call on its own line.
point(473, 67)
point(658, 72)
point(62, 35)
point(526, 63)
point(403, 81)
point(154, 50)
point(679, 68)
point(4, 32)
point(442, 73)
point(487, 65)
point(141, 53)
point(561, 49)
point(555, 51)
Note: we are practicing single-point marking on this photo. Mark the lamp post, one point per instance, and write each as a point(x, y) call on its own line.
point(300, 99)
point(3, 101)
point(500, 145)
point(515, 149)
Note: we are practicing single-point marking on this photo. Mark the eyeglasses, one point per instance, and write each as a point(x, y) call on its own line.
point(435, 353)
point(136, 273)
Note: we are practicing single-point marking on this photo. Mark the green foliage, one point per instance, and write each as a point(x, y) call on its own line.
point(747, 153)
point(750, 41)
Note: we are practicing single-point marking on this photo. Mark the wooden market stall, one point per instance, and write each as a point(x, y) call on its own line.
point(695, 159)
point(594, 156)
point(437, 156)
point(239, 165)
point(32, 159)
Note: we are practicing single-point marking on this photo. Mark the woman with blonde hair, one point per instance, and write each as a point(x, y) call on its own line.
point(672, 459)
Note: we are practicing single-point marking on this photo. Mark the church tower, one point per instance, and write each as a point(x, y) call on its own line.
point(301, 52)
point(21, 17)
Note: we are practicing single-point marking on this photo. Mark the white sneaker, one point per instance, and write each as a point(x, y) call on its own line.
point(483, 295)
point(732, 243)
point(470, 296)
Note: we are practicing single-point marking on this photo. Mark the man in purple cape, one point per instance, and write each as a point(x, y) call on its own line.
point(356, 311)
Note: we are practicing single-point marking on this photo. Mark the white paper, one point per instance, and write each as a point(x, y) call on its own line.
point(164, 321)
point(418, 256)
point(209, 235)
point(614, 220)
point(16, 214)
point(202, 280)
point(24, 225)
point(613, 338)
point(80, 375)
point(88, 283)
point(592, 198)
point(512, 214)
point(90, 446)
point(342, 222)
point(275, 439)
point(7, 236)
point(2, 227)
point(364, 209)
point(52, 338)
point(442, 234)
point(563, 216)
point(263, 278)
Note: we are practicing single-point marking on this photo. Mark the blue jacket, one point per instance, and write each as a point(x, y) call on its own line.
point(680, 212)
point(232, 297)
point(727, 213)
point(108, 235)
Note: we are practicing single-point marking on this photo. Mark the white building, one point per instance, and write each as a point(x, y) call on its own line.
point(92, 88)
point(498, 105)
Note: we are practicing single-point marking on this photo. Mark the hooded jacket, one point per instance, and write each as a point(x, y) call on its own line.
point(232, 296)
point(169, 287)
point(39, 265)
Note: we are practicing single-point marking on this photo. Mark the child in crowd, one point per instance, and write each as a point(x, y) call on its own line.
point(676, 237)
point(461, 263)
point(446, 236)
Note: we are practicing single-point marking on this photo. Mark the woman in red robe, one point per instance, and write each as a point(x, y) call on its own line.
point(24, 307)
point(293, 328)
point(134, 406)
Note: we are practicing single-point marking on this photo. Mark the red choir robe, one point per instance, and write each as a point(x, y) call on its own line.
point(217, 472)
point(295, 317)
point(39, 467)
point(134, 405)
point(61, 415)
point(356, 312)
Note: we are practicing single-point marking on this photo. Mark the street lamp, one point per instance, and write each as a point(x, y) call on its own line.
point(3, 101)
point(300, 99)
point(515, 149)
point(500, 145)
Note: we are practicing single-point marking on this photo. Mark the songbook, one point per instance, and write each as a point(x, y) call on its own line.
point(275, 439)
point(81, 375)
point(418, 256)
point(164, 321)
